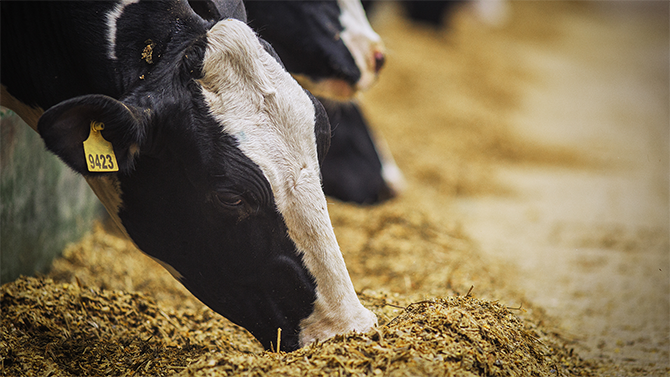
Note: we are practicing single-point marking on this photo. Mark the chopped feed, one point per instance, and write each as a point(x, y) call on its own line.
point(52, 328)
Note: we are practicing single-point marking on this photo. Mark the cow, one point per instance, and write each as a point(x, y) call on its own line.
point(359, 166)
point(331, 49)
point(202, 147)
point(437, 13)
point(328, 46)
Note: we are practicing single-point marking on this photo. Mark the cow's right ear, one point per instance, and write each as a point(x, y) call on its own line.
point(100, 120)
point(214, 10)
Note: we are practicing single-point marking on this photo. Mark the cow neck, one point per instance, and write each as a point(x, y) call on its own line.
point(68, 38)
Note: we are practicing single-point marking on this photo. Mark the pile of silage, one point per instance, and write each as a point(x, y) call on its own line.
point(443, 337)
point(52, 328)
point(107, 309)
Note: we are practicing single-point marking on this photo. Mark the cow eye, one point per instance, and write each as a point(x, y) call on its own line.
point(228, 200)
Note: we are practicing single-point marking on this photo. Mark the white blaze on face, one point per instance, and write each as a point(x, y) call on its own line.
point(360, 39)
point(272, 118)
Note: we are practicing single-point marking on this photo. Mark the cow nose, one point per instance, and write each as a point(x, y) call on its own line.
point(379, 60)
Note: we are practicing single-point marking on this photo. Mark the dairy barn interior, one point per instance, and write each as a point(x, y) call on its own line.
point(531, 237)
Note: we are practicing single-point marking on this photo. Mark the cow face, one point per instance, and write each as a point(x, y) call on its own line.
point(218, 157)
point(328, 46)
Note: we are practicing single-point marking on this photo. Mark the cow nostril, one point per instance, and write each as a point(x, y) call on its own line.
point(379, 60)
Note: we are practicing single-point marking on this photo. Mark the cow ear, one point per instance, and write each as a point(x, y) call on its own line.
point(322, 128)
point(113, 132)
point(215, 10)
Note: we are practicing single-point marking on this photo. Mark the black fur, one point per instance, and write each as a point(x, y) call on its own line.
point(218, 9)
point(305, 34)
point(352, 169)
point(433, 13)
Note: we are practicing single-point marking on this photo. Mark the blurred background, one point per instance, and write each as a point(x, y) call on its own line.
point(542, 129)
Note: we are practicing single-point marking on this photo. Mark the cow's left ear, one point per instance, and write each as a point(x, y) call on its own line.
point(322, 128)
point(113, 132)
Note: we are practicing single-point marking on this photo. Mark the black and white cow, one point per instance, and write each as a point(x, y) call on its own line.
point(217, 149)
point(328, 46)
point(331, 49)
point(358, 166)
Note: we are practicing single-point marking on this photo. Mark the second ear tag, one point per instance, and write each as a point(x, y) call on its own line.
point(99, 152)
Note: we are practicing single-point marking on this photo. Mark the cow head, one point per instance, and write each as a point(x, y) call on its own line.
point(218, 155)
point(329, 46)
point(358, 167)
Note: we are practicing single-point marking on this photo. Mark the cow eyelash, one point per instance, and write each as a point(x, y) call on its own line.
point(228, 200)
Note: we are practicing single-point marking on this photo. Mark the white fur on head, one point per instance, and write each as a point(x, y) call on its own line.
point(112, 18)
point(360, 39)
point(263, 107)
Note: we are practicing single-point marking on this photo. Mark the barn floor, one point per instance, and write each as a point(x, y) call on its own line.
point(591, 243)
point(570, 104)
point(532, 238)
point(558, 136)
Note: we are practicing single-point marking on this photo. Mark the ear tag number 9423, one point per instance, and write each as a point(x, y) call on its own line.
point(98, 151)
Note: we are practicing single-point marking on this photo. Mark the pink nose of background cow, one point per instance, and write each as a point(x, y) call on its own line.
point(379, 60)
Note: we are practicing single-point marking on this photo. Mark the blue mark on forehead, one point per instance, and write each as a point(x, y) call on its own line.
point(241, 137)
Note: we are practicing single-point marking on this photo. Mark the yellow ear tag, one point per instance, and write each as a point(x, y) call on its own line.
point(99, 153)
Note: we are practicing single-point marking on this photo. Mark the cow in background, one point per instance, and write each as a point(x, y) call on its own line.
point(331, 49)
point(201, 146)
point(436, 13)
point(358, 165)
